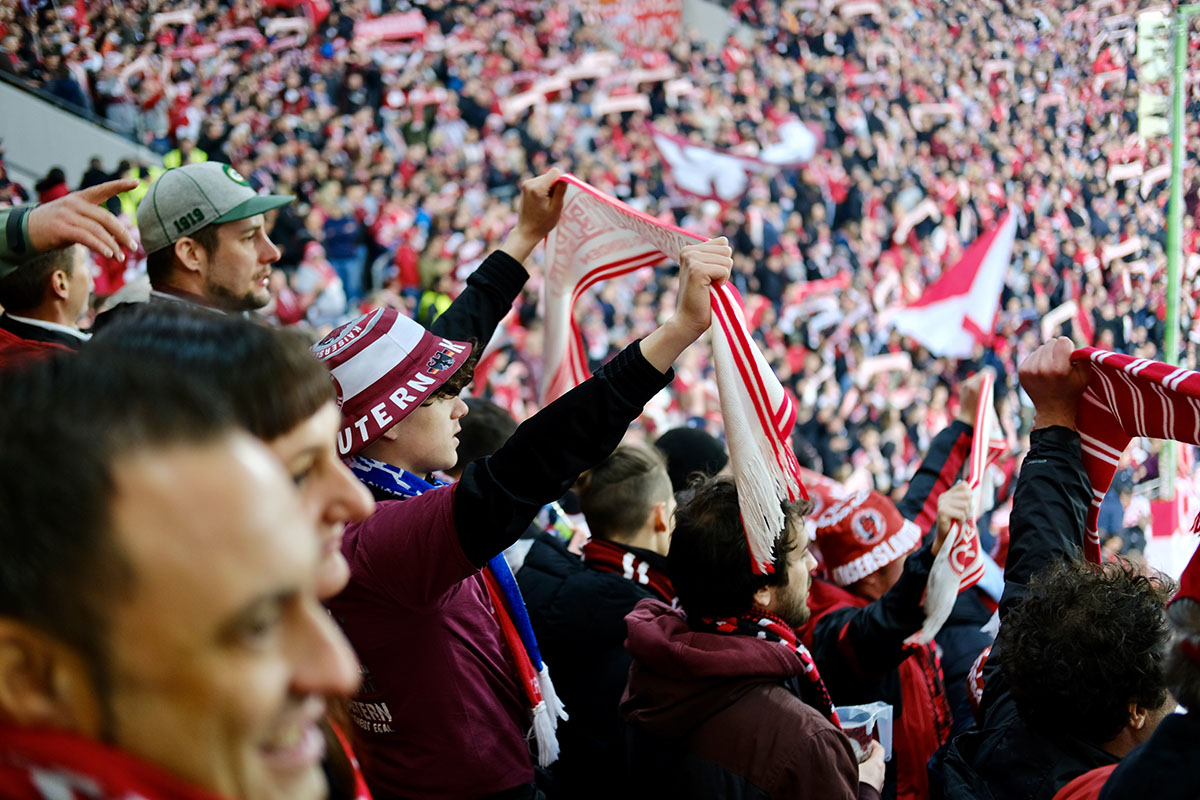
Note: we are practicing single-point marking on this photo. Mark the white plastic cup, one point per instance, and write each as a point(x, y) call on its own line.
point(866, 722)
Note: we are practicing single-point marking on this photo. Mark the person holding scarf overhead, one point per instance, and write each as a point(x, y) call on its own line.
point(451, 673)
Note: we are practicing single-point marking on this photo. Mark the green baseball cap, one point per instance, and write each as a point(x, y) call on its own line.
point(185, 199)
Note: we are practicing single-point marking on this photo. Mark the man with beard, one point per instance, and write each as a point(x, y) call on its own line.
point(205, 235)
point(723, 700)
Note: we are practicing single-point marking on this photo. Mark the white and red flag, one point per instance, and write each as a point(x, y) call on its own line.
point(599, 238)
point(959, 564)
point(721, 175)
point(958, 310)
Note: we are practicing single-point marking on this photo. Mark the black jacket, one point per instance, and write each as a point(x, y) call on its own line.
point(1004, 759)
point(1166, 767)
point(578, 615)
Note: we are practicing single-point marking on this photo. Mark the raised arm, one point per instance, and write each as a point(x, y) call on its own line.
point(497, 497)
point(76, 218)
point(1053, 491)
point(493, 287)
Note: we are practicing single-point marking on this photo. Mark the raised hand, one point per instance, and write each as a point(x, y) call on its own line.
point(1054, 383)
point(78, 218)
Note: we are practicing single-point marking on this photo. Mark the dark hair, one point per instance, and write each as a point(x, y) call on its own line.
point(270, 377)
point(709, 558)
point(1182, 671)
point(485, 428)
point(160, 263)
point(462, 376)
point(618, 494)
point(64, 423)
point(24, 289)
point(1085, 642)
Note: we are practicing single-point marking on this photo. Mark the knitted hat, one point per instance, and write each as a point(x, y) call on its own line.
point(384, 365)
point(861, 535)
point(691, 450)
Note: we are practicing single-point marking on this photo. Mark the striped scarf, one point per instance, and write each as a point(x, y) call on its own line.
point(508, 608)
point(599, 238)
point(604, 556)
point(1128, 397)
point(762, 624)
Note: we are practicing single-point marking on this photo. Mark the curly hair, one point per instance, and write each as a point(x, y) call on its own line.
point(1085, 642)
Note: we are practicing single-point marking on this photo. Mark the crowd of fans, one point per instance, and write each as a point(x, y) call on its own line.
point(404, 161)
point(367, 628)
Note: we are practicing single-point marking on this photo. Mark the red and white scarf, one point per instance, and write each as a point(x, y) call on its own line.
point(598, 238)
point(1128, 397)
point(959, 563)
point(762, 624)
point(604, 556)
point(53, 765)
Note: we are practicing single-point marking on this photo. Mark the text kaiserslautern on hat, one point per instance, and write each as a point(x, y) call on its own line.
point(384, 366)
point(185, 199)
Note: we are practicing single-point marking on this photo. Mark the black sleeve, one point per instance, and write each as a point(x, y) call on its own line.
point(1049, 510)
point(857, 646)
point(489, 295)
point(497, 497)
point(938, 471)
point(1048, 520)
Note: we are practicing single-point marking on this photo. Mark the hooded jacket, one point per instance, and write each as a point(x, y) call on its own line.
point(715, 716)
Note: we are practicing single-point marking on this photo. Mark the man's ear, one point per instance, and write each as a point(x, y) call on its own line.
point(44, 683)
point(190, 254)
point(1137, 716)
point(765, 597)
point(658, 515)
point(60, 283)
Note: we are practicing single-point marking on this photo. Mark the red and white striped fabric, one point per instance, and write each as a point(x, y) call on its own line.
point(1128, 397)
point(599, 238)
point(959, 562)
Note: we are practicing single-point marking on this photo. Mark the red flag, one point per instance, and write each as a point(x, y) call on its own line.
point(959, 309)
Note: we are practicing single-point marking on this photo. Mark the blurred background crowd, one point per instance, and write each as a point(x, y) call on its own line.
point(405, 129)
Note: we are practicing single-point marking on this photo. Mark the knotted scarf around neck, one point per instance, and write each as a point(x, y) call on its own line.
point(762, 624)
point(598, 238)
point(604, 556)
point(508, 607)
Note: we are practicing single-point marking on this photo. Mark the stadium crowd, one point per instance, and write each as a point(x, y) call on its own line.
point(387, 200)
point(404, 163)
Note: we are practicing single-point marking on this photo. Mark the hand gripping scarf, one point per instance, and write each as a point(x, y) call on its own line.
point(598, 238)
point(508, 608)
point(959, 563)
point(1128, 397)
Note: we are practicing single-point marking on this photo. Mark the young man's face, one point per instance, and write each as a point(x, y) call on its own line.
point(427, 439)
point(237, 272)
point(221, 657)
point(791, 601)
